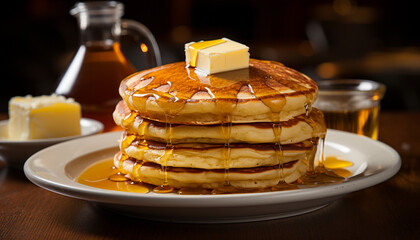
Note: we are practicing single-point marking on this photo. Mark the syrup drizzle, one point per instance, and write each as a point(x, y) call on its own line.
point(226, 131)
point(169, 148)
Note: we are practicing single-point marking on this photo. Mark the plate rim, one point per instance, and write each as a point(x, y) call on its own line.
point(80, 191)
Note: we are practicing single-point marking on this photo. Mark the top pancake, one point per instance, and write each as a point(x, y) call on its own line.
point(265, 92)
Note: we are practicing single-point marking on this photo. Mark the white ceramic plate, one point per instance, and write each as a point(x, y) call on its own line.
point(56, 167)
point(15, 153)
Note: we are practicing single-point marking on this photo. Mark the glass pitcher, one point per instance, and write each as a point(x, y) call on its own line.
point(95, 73)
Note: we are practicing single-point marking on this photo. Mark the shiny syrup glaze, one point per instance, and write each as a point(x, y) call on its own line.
point(172, 86)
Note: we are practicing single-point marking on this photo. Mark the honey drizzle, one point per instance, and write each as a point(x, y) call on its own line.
point(321, 152)
point(319, 175)
point(123, 157)
point(310, 157)
point(129, 119)
point(316, 175)
point(136, 171)
point(169, 148)
point(127, 139)
point(276, 105)
point(276, 108)
point(226, 131)
point(225, 108)
point(278, 150)
point(226, 128)
point(171, 109)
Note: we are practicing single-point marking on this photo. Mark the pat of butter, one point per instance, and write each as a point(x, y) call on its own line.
point(43, 117)
point(217, 56)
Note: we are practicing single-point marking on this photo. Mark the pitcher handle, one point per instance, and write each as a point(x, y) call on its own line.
point(144, 31)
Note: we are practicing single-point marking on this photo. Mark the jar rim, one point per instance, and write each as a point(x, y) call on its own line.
point(98, 8)
point(350, 86)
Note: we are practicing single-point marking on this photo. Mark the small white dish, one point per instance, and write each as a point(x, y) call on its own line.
point(15, 152)
point(56, 168)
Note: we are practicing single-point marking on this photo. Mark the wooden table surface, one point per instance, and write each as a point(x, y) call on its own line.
point(389, 210)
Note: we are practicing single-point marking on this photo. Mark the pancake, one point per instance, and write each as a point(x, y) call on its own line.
point(211, 156)
point(295, 130)
point(265, 92)
point(248, 178)
point(250, 128)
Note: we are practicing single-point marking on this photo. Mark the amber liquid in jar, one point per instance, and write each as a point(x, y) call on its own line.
point(362, 121)
point(93, 79)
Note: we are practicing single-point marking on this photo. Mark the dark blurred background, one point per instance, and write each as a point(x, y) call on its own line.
point(370, 39)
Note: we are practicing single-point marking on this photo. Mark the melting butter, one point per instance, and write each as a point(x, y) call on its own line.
point(217, 56)
point(194, 47)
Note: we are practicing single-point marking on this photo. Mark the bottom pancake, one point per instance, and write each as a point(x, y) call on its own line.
point(179, 177)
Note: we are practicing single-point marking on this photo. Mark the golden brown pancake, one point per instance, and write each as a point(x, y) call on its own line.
point(298, 129)
point(211, 156)
point(266, 92)
point(178, 177)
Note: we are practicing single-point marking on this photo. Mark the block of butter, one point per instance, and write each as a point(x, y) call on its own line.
point(43, 117)
point(216, 56)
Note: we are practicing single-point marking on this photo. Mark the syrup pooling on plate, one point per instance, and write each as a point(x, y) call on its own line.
point(98, 175)
point(338, 165)
point(105, 176)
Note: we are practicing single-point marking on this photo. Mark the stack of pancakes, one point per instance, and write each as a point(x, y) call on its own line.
point(248, 129)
